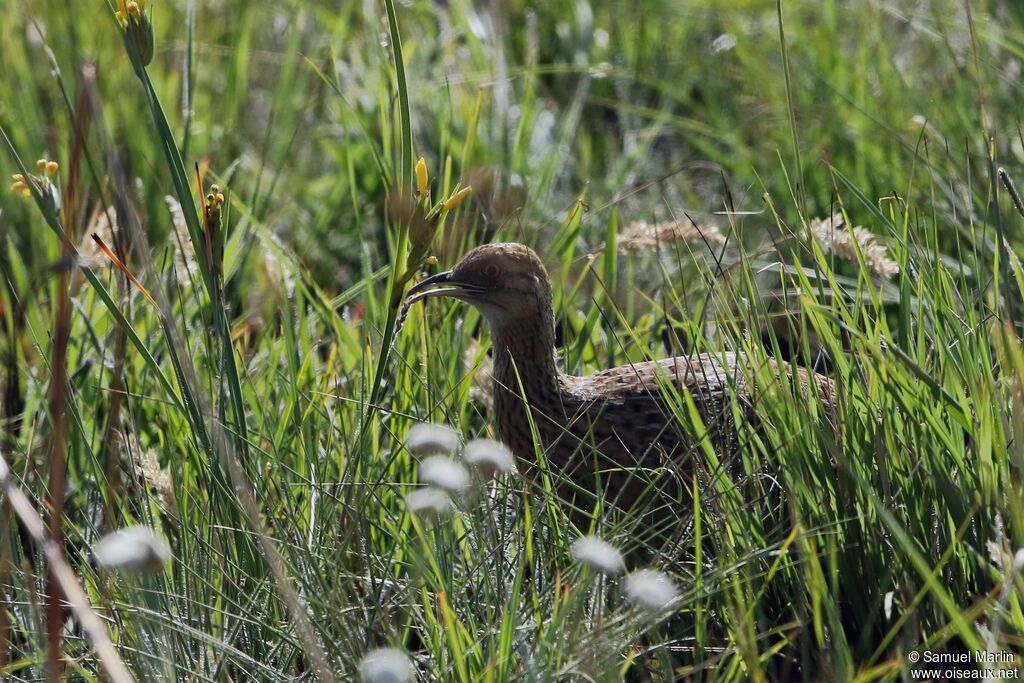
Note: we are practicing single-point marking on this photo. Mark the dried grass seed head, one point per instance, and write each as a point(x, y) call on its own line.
point(834, 237)
point(640, 236)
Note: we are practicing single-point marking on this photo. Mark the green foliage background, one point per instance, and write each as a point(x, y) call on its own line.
point(571, 121)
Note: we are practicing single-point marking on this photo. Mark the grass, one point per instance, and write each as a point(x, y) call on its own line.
point(256, 415)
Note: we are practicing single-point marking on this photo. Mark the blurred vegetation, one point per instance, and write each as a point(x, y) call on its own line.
point(255, 418)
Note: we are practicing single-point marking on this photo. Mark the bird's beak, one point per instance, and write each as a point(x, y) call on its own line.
point(463, 291)
point(422, 289)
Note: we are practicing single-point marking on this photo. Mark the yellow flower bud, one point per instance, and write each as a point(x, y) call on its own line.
point(431, 261)
point(457, 198)
point(421, 176)
point(19, 186)
point(18, 176)
point(41, 164)
point(52, 167)
point(138, 32)
point(26, 193)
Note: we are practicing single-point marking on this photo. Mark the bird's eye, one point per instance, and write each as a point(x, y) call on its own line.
point(492, 270)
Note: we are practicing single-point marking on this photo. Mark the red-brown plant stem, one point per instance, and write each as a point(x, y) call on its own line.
point(58, 461)
point(114, 436)
point(11, 409)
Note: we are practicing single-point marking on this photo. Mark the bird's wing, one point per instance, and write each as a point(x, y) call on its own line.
point(700, 374)
point(639, 397)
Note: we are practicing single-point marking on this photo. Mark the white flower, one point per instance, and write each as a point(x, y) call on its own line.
point(490, 458)
point(723, 43)
point(132, 548)
point(428, 502)
point(444, 473)
point(650, 589)
point(385, 665)
point(429, 439)
point(600, 555)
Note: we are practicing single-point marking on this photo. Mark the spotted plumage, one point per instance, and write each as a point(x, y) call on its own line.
point(613, 430)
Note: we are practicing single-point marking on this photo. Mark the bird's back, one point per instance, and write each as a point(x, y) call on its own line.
point(653, 391)
point(628, 414)
point(619, 430)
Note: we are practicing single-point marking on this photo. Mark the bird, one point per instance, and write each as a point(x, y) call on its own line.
point(611, 436)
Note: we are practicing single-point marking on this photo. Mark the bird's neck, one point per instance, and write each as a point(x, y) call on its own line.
point(524, 356)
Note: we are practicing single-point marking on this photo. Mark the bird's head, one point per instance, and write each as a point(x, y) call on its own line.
point(507, 282)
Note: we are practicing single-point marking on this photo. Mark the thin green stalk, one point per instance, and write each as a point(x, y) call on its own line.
point(791, 108)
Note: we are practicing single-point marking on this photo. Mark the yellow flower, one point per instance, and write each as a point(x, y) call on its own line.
point(457, 198)
point(43, 186)
point(138, 32)
point(215, 197)
point(21, 187)
point(421, 176)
